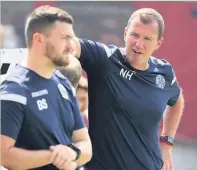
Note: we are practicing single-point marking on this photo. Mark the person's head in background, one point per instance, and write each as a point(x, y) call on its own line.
point(73, 71)
point(82, 95)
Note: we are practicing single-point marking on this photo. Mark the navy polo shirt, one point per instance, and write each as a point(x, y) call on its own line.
point(38, 112)
point(125, 107)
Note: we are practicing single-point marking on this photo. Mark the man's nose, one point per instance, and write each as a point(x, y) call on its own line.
point(71, 46)
point(139, 43)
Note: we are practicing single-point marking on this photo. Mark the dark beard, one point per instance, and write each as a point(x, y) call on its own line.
point(52, 55)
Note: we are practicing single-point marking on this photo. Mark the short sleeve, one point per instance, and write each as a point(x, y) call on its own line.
point(174, 90)
point(13, 103)
point(94, 55)
point(12, 115)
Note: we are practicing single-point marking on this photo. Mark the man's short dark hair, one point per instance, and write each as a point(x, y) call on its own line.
point(42, 19)
point(73, 71)
point(147, 16)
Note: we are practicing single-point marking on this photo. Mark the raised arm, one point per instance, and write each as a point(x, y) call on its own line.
point(93, 56)
point(78, 47)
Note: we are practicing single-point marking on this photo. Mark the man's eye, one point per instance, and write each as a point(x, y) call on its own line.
point(149, 39)
point(134, 35)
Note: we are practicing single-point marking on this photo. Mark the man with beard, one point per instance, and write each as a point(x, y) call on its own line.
point(129, 90)
point(41, 126)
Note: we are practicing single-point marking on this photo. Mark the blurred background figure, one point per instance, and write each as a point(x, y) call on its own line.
point(9, 38)
point(73, 72)
point(82, 96)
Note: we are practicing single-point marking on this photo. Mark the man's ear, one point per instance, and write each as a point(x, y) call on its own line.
point(38, 38)
point(125, 33)
point(159, 42)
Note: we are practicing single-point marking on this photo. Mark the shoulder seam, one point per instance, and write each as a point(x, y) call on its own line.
point(108, 51)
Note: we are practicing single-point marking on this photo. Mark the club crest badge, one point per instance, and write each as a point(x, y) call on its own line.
point(160, 81)
point(63, 91)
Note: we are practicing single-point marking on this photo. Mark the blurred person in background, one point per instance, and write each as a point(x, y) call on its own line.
point(129, 93)
point(72, 72)
point(41, 125)
point(82, 97)
point(10, 37)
